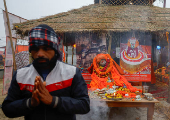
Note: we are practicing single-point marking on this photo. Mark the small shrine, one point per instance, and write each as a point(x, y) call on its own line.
point(107, 77)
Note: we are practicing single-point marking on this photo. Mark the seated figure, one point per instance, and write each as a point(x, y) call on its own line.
point(105, 73)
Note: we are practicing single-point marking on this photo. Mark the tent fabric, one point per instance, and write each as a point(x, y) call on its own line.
point(20, 48)
point(22, 59)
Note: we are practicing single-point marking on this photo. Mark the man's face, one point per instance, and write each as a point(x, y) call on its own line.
point(42, 53)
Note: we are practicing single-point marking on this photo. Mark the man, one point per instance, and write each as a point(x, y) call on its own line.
point(47, 89)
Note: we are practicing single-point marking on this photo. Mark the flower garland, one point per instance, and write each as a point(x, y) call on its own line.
point(106, 68)
point(100, 75)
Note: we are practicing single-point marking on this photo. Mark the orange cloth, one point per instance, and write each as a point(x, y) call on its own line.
point(20, 48)
point(64, 55)
point(118, 68)
point(115, 74)
point(99, 83)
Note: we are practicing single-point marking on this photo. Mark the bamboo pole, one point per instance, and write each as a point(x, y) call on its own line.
point(10, 35)
point(30, 58)
point(164, 4)
point(66, 54)
point(110, 43)
point(167, 36)
point(72, 53)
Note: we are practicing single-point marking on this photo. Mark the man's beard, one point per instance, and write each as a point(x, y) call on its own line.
point(42, 65)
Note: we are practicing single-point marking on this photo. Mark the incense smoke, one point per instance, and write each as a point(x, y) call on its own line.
point(98, 111)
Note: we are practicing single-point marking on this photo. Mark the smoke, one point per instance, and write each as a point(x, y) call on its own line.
point(98, 111)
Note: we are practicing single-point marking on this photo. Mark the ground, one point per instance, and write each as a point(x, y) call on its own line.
point(161, 112)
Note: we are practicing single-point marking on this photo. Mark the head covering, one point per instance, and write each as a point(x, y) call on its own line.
point(43, 35)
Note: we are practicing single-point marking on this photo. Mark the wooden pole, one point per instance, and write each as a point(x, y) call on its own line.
point(168, 100)
point(72, 54)
point(30, 58)
point(66, 54)
point(110, 43)
point(10, 35)
point(164, 4)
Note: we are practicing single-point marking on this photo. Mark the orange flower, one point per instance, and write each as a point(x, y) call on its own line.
point(99, 78)
point(108, 70)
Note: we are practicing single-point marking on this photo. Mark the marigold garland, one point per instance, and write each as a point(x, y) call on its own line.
point(97, 70)
point(99, 77)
